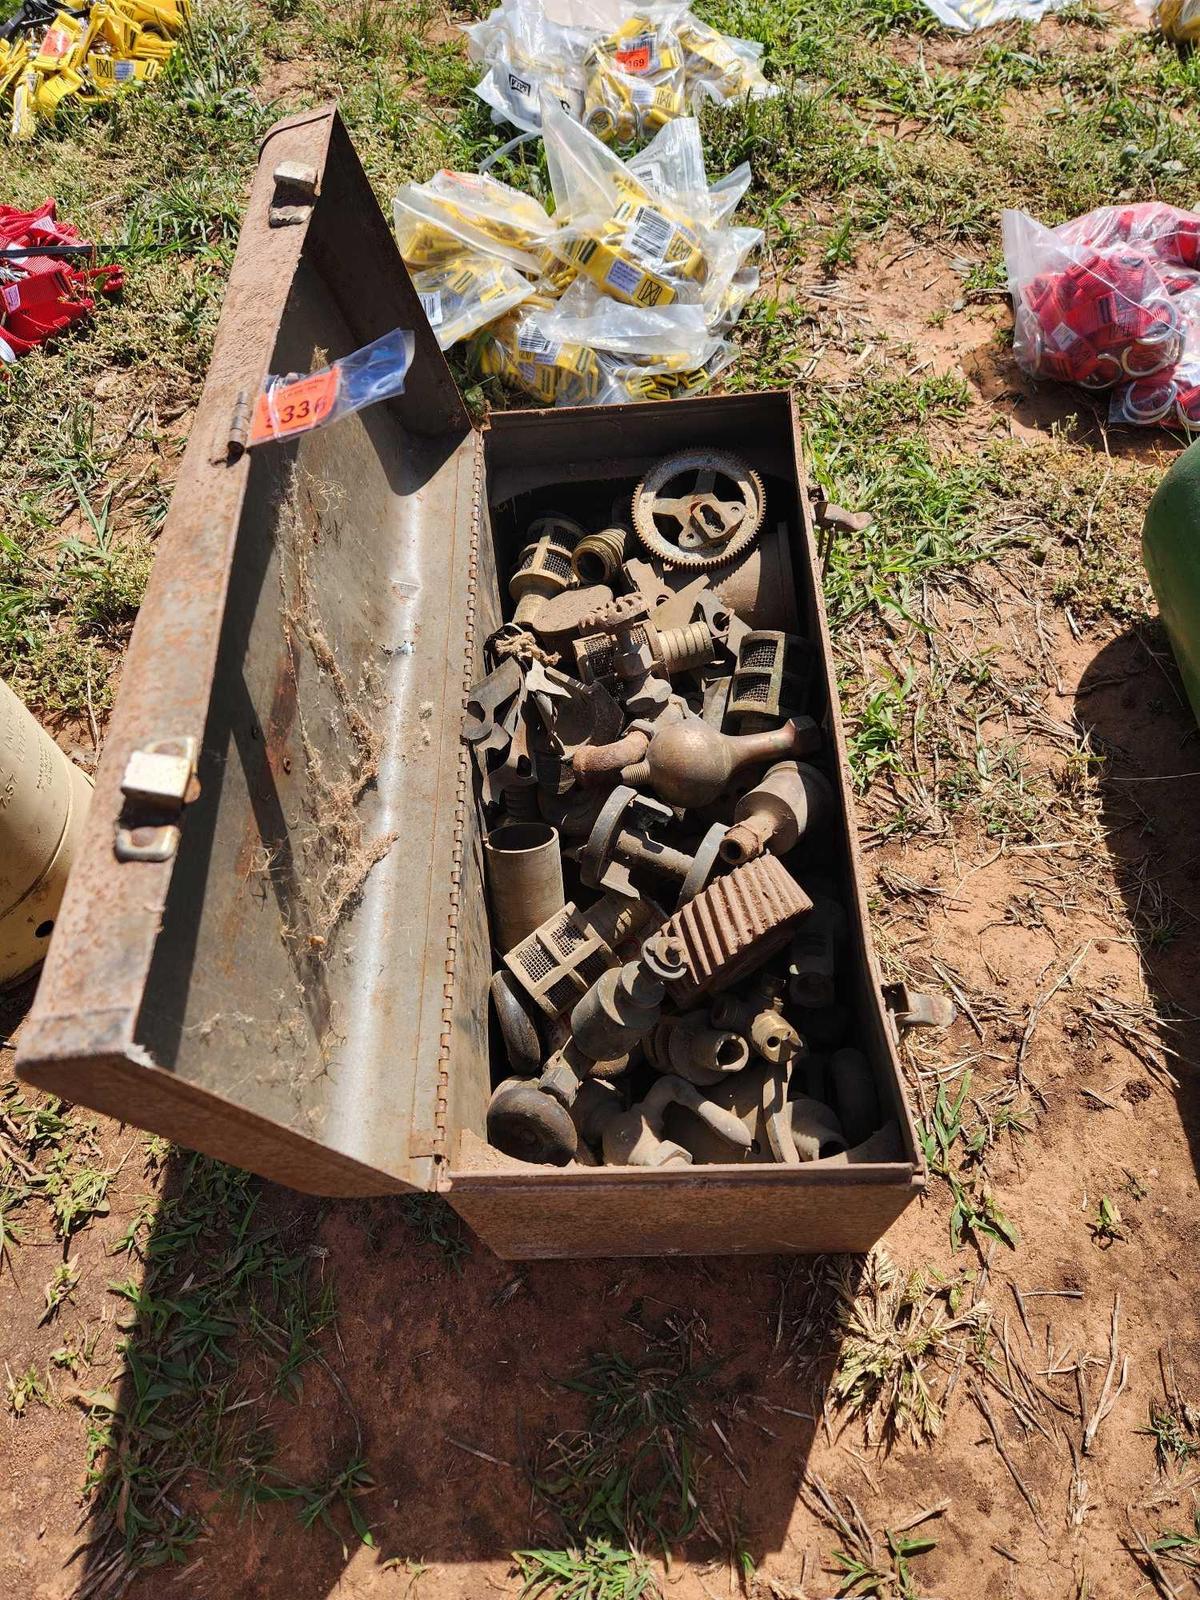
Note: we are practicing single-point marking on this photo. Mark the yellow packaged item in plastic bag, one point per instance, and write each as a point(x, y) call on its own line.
point(552, 370)
point(465, 295)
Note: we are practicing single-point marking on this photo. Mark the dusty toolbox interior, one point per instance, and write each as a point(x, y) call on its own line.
point(275, 943)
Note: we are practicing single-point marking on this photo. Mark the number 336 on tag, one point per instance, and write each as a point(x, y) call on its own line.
point(290, 408)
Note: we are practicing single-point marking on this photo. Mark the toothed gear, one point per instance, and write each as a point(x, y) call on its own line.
point(713, 529)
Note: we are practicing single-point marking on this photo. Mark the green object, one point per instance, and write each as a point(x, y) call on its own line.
point(1171, 551)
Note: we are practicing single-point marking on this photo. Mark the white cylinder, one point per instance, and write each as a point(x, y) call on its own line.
point(43, 802)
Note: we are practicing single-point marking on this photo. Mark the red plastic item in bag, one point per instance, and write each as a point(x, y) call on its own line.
point(42, 295)
point(1110, 300)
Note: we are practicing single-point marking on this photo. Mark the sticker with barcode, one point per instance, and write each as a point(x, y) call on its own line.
point(431, 303)
point(543, 350)
point(623, 277)
point(651, 234)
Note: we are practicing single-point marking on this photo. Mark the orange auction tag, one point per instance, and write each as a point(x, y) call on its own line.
point(288, 408)
point(635, 60)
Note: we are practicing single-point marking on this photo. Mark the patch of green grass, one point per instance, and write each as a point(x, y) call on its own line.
point(23, 1387)
point(433, 1222)
point(599, 1571)
point(953, 1145)
point(222, 1329)
point(631, 1475)
point(1175, 1429)
point(898, 1331)
point(871, 450)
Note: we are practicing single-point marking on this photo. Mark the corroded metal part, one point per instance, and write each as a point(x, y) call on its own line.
point(690, 763)
point(529, 1125)
point(762, 1026)
point(772, 679)
point(854, 1091)
point(622, 848)
point(777, 813)
point(598, 764)
point(597, 557)
point(634, 1138)
point(524, 879)
point(813, 955)
point(543, 568)
point(703, 528)
point(734, 925)
point(559, 961)
point(517, 1028)
point(618, 1011)
point(559, 619)
point(695, 1050)
point(816, 1130)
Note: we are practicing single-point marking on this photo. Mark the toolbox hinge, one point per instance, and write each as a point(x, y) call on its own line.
point(160, 779)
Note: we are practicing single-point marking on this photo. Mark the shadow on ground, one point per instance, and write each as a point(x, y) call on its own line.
point(444, 1376)
point(1132, 703)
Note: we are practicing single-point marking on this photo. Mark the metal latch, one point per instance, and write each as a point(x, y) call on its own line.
point(295, 193)
point(909, 1009)
point(160, 779)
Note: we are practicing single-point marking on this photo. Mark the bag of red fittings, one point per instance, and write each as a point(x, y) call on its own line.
point(1111, 301)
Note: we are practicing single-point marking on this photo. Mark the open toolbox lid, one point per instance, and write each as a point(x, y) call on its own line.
point(252, 954)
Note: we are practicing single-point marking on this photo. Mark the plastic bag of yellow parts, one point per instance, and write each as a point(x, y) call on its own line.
point(467, 293)
point(436, 221)
point(718, 67)
point(1178, 19)
point(551, 370)
point(635, 79)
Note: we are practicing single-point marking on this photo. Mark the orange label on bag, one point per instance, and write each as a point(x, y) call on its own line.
point(56, 44)
point(635, 60)
point(295, 407)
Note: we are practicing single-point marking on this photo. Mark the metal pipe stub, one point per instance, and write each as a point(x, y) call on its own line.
point(525, 881)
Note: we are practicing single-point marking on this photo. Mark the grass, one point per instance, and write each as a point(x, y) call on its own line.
point(632, 1474)
point(900, 1334)
point(599, 1571)
point(954, 1148)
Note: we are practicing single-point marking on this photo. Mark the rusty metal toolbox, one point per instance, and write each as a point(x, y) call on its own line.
point(274, 943)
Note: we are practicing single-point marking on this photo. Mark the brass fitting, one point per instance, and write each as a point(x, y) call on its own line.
point(597, 558)
point(778, 812)
point(544, 567)
point(762, 1026)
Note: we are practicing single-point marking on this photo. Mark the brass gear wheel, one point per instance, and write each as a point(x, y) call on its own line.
point(711, 528)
